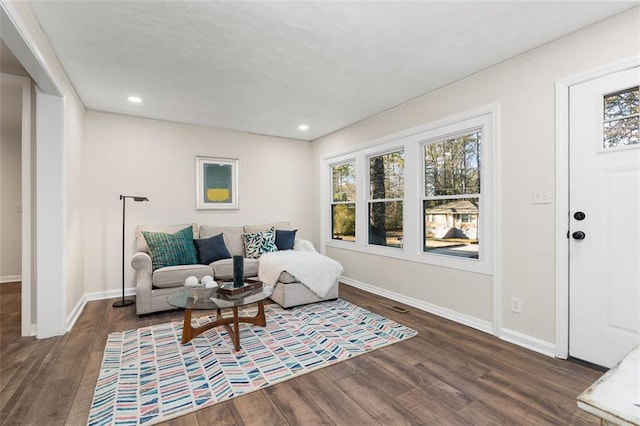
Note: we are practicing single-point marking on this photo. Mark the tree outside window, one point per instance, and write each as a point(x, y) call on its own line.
point(343, 204)
point(386, 194)
point(621, 118)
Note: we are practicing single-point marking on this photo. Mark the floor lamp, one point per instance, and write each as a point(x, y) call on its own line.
point(123, 302)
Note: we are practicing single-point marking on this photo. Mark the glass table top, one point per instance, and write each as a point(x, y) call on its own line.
point(182, 298)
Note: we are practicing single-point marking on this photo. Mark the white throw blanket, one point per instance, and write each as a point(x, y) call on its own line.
point(315, 271)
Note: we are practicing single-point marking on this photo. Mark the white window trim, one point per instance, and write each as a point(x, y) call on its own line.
point(411, 140)
point(332, 203)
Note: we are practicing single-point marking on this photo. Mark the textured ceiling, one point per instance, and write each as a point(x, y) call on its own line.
point(265, 67)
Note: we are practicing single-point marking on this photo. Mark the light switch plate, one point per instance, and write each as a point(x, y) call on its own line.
point(541, 196)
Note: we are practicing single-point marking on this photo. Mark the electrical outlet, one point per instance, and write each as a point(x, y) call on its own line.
point(516, 305)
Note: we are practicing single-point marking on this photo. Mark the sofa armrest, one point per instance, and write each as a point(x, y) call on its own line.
point(303, 245)
point(141, 263)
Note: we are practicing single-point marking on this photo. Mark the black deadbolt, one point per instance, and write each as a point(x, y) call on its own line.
point(578, 235)
point(579, 215)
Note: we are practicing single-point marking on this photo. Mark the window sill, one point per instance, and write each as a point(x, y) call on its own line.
point(478, 266)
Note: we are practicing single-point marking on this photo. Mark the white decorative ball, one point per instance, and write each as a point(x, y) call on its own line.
point(191, 281)
point(206, 279)
point(210, 284)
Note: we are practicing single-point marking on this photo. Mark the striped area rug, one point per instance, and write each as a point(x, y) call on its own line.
point(148, 376)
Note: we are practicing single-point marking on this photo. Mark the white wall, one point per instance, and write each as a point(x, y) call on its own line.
point(56, 297)
point(73, 135)
point(134, 156)
point(524, 89)
point(10, 183)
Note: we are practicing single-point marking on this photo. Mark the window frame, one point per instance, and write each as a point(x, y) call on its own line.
point(411, 141)
point(370, 200)
point(333, 202)
point(459, 196)
point(599, 140)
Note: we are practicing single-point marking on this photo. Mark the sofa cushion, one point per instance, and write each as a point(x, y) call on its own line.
point(287, 278)
point(171, 249)
point(174, 276)
point(285, 240)
point(257, 243)
point(223, 269)
point(211, 249)
point(141, 242)
point(252, 229)
point(232, 237)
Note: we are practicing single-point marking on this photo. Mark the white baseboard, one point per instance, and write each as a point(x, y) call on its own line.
point(88, 297)
point(528, 342)
point(511, 336)
point(10, 279)
point(477, 323)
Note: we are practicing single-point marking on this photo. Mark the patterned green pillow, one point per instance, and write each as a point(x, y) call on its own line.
point(171, 249)
point(257, 243)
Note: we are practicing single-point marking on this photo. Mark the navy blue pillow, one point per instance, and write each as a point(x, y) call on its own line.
point(285, 239)
point(211, 249)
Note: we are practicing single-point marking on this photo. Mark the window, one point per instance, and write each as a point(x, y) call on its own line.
point(343, 204)
point(446, 218)
point(386, 193)
point(621, 118)
point(451, 203)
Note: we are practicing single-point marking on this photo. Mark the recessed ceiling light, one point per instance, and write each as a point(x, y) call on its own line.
point(303, 127)
point(134, 99)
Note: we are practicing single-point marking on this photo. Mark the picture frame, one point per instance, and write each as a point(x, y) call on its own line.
point(216, 183)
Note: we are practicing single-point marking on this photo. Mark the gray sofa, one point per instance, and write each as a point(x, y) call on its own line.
point(153, 287)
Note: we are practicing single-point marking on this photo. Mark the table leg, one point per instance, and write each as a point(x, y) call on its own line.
point(186, 327)
point(236, 329)
point(189, 332)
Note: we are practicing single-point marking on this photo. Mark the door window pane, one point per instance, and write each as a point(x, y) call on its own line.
point(621, 119)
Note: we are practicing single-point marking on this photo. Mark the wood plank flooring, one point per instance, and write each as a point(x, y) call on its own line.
point(448, 374)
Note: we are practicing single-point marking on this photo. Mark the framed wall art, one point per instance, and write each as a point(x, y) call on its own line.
point(216, 183)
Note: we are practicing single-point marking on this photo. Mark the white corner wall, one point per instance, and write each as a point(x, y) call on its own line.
point(58, 132)
point(135, 156)
point(524, 89)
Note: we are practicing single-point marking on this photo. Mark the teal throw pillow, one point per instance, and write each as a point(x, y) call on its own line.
point(171, 249)
point(257, 243)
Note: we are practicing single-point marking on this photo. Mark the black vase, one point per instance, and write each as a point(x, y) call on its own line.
point(238, 271)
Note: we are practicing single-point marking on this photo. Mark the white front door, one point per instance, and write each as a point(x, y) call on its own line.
point(604, 208)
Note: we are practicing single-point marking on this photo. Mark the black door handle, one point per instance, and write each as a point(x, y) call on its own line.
point(579, 235)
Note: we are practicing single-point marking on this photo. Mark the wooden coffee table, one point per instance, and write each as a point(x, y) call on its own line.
point(182, 298)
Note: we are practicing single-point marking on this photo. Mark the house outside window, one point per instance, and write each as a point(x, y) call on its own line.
point(386, 194)
point(451, 203)
point(444, 168)
point(343, 204)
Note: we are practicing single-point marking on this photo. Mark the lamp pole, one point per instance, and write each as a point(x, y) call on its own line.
point(126, 302)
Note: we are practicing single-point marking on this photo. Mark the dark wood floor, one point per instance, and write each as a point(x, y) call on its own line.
point(448, 374)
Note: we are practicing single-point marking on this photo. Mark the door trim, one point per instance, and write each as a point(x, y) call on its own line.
point(24, 83)
point(562, 192)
